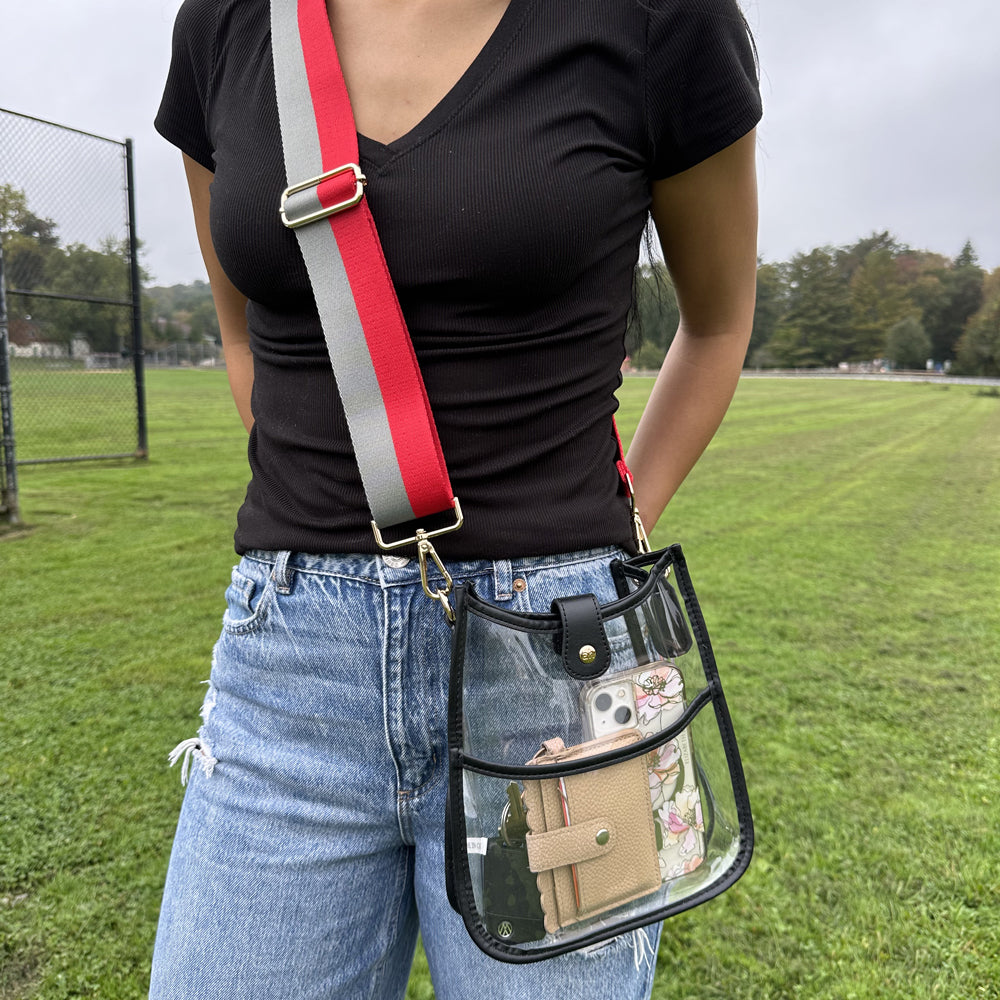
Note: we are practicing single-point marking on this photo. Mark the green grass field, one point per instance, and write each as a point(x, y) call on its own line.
point(845, 541)
point(64, 409)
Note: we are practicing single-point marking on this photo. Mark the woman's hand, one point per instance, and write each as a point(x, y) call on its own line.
point(706, 219)
point(230, 303)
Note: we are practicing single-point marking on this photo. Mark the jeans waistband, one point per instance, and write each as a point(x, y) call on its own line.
point(402, 570)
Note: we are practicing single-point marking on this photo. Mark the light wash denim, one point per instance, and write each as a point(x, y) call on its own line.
point(310, 846)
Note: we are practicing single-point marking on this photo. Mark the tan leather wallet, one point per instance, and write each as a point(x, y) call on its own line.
point(591, 838)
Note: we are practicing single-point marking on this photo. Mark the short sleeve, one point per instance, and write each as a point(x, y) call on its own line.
point(702, 92)
point(183, 115)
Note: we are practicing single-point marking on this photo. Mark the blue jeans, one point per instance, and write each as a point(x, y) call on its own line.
point(310, 846)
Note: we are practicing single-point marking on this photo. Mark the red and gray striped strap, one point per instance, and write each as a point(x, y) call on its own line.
point(392, 428)
point(641, 538)
point(388, 414)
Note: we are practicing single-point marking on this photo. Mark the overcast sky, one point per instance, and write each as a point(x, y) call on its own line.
point(879, 114)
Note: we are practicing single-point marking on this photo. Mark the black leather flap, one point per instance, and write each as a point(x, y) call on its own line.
point(583, 643)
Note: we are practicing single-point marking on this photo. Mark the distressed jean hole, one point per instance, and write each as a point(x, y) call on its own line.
point(195, 749)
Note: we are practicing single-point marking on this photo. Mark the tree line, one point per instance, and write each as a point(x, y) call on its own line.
point(876, 302)
point(37, 261)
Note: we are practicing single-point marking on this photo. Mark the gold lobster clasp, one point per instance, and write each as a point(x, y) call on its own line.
point(425, 551)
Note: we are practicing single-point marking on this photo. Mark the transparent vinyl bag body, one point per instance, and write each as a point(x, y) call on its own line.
point(581, 807)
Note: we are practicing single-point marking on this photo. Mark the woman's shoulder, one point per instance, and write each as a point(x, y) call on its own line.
point(724, 15)
point(194, 16)
point(697, 8)
point(661, 22)
point(701, 83)
point(205, 30)
point(200, 20)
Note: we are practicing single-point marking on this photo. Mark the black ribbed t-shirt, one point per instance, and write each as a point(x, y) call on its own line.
point(510, 218)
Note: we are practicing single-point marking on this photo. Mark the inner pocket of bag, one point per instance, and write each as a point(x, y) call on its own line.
point(617, 824)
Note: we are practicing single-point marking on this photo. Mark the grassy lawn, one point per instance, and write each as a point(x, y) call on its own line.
point(64, 409)
point(845, 541)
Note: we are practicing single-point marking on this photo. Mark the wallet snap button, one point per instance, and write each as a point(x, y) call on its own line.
point(588, 654)
point(603, 836)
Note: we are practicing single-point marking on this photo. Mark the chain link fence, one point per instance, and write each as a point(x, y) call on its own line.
point(73, 331)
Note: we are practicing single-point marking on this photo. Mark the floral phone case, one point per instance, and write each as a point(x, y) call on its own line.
point(650, 699)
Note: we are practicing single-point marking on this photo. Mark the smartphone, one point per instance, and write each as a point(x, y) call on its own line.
point(650, 698)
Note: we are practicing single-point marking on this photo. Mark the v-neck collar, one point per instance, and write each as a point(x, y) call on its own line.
point(475, 74)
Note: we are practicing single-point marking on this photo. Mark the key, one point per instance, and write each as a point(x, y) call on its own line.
point(514, 820)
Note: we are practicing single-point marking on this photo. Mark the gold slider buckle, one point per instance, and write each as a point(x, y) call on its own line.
point(426, 550)
point(359, 189)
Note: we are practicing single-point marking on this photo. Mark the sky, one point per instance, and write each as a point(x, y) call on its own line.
point(879, 115)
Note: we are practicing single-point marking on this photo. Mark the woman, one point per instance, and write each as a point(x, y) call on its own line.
point(513, 150)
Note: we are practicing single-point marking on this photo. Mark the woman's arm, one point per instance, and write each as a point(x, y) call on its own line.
point(706, 218)
point(230, 303)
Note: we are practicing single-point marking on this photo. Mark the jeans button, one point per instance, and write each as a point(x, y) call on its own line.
point(396, 562)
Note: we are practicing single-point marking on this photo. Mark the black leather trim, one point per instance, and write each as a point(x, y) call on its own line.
point(493, 769)
point(623, 590)
point(580, 628)
point(540, 621)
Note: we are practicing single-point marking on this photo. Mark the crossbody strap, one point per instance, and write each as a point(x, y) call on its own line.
point(388, 414)
point(392, 429)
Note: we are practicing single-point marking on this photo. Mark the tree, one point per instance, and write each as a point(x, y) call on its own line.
point(179, 313)
point(772, 303)
point(13, 209)
point(978, 349)
point(28, 241)
point(815, 329)
point(907, 344)
point(81, 270)
point(851, 258)
point(879, 299)
point(205, 322)
point(961, 294)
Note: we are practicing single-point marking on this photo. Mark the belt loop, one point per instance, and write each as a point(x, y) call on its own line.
point(503, 580)
point(281, 574)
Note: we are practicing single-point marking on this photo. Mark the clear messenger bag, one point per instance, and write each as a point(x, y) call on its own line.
point(595, 783)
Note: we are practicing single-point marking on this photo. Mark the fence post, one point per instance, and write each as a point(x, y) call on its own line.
point(138, 355)
point(9, 508)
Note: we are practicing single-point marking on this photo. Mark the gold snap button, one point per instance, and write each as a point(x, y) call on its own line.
point(588, 654)
point(520, 585)
point(603, 836)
